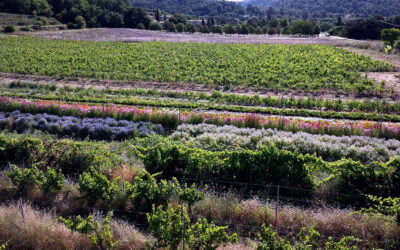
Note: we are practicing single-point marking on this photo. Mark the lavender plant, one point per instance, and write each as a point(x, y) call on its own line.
point(93, 128)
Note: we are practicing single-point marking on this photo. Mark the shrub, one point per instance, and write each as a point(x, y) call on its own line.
point(180, 27)
point(28, 178)
point(96, 187)
point(390, 35)
point(80, 22)
point(141, 26)
point(204, 235)
point(397, 44)
point(79, 224)
point(25, 179)
point(269, 240)
point(145, 191)
point(155, 26)
point(9, 29)
point(172, 225)
point(169, 226)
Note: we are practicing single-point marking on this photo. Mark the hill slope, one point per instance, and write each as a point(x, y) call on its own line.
point(322, 8)
point(197, 7)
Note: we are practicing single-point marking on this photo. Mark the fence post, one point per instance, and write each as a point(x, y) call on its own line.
point(277, 207)
point(183, 231)
point(21, 209)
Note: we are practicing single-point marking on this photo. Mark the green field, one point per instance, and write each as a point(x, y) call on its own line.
point(310, 67)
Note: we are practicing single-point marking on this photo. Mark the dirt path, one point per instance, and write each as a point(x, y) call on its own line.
point(391, 79)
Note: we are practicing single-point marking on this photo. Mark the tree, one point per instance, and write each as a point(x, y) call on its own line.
point(157, 15)
point(244, 30)
point(301, 28)
point(190, 27)
point(80, 22)
point(134, 16)
point(180, 27)
point(390, 35)
point(229, 29)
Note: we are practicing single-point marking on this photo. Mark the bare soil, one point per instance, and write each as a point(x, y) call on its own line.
point(134, 35)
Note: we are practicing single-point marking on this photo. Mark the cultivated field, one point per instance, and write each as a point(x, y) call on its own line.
point(265, 140)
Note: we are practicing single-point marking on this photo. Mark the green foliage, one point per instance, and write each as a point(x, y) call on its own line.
point(104, 236)
point(26, 179)
point(180, 27)
point(155, 26)
point(140, 26)
point(80, 22)
point(302, 28)
point(169, 226)
point(94, 187)
point(390, 35)
point(207, 236)
point(348, 243)
point(383, 206)
point(100, 234)
point(228, 63)
point(54, 181)
point(172, 225)
point(269, 240)
point(266, 166)
point(80, 224)
point(9, 29)
point(397, 44)
point(190, 195)
point(145, 191)
point(308, 238)
point(375, 179)
point(3, 246)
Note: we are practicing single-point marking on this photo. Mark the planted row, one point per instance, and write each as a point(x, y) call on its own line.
point(124, 95)
point(355, 115)
point(171, 118)
point(93, 128)
point(347, 182)
point(69, 156)
point(330, 148)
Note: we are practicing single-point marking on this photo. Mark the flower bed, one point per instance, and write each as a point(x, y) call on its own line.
point(93, 128)
point(170, 118)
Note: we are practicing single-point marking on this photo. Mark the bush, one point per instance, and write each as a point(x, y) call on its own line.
point(266, 166)
point(397, 44)
point(172, 225)
point(141, 26)
point(9, 29)
point(28, 178)
point(80, 22)
point(180, 27)
point(191, 28)
point(96, 187)
point(155, 26)
point(390, 35)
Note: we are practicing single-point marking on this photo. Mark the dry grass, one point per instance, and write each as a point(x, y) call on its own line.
point(249, 215)
point(42, 231)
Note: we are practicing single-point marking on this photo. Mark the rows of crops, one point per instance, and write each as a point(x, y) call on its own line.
point(260, 66)
point(141, 152)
